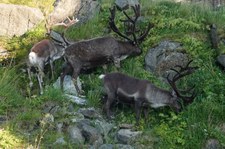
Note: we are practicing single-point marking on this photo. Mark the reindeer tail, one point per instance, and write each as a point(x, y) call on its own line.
point(101, 76)
point(32, 58)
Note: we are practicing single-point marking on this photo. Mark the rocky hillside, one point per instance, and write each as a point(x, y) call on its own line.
point(180, 32)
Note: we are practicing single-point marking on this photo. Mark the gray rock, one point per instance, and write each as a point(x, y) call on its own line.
point(51, 107)
point(89, 113)
point(88, 9)
point(125, 4)
point(77, 117)
point(103, 127)
point(160, 59)
point(127, 136)
point(75, 135)
point(68, 85)
point(4, 54)
point(75, 99)
point(83, 122)
point(115, 146)
point(222, 128)
point(123, 146)
point(221, 60)
point(106, 146)
point(18, 19)
point(98, 142)
point(212, 144)
point(81, 9)
point(3, 119)
point(91, 134)
point(63, 9)
point(60, 141)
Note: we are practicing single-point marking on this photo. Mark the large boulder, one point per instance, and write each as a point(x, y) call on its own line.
point(160, 59)
point(17, 19)
point(83, 10)
point(125, 4)
point(221, 60)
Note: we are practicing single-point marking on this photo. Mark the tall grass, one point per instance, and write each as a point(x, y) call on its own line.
point(185, 23)
point(10, 96)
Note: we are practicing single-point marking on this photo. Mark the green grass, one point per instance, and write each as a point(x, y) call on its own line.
point(188, 24)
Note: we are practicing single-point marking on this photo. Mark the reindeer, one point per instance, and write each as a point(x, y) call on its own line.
point(46, 51)
point(143, 93)
point(95, 52)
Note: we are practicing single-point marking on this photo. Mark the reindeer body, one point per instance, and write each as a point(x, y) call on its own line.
point(42, 53)
point(96, 52)
point(142, 92)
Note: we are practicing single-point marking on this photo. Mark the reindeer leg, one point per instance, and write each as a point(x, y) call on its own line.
point(145, 110)
point(108, 106)
point(62, 76)
point(75, 76)
point(29, 76)
point(137, 107)
point(39, 76)
point(52, 68)
point(111, 97)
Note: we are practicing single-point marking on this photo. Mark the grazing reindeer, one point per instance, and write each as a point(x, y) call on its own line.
point(44, 52)
point(143, 93)
point(95, 52)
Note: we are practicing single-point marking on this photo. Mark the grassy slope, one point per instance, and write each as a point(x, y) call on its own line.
point(190, 129)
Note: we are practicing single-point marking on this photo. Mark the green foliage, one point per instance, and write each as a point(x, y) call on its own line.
point(9, 140)
point(20, 46)
point(10, 96)
point(187, 24)
point(170, 129)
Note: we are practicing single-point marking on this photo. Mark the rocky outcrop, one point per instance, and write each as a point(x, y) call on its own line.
point(4, 54)
point(17, 19)
point(160, 59)
point(83, 10)
point(63, 9)
point(221, 60)
point(84, 127)
point(212, 144)
point(125, 4)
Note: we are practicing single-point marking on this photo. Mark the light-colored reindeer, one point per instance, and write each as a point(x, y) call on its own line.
point(46, 52)
point(143, 93)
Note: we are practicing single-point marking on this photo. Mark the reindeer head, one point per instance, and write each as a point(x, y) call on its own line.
point(175, 102)
point(178, 95)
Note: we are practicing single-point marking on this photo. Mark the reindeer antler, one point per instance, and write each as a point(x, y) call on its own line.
point(69, 23)
point(183, 71)
point(113, 25)
point(132, 30)
point(66, 25)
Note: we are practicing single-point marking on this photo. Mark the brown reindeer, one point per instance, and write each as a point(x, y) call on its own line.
point(95, 52)
point(46, 51)
point(143, 93)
